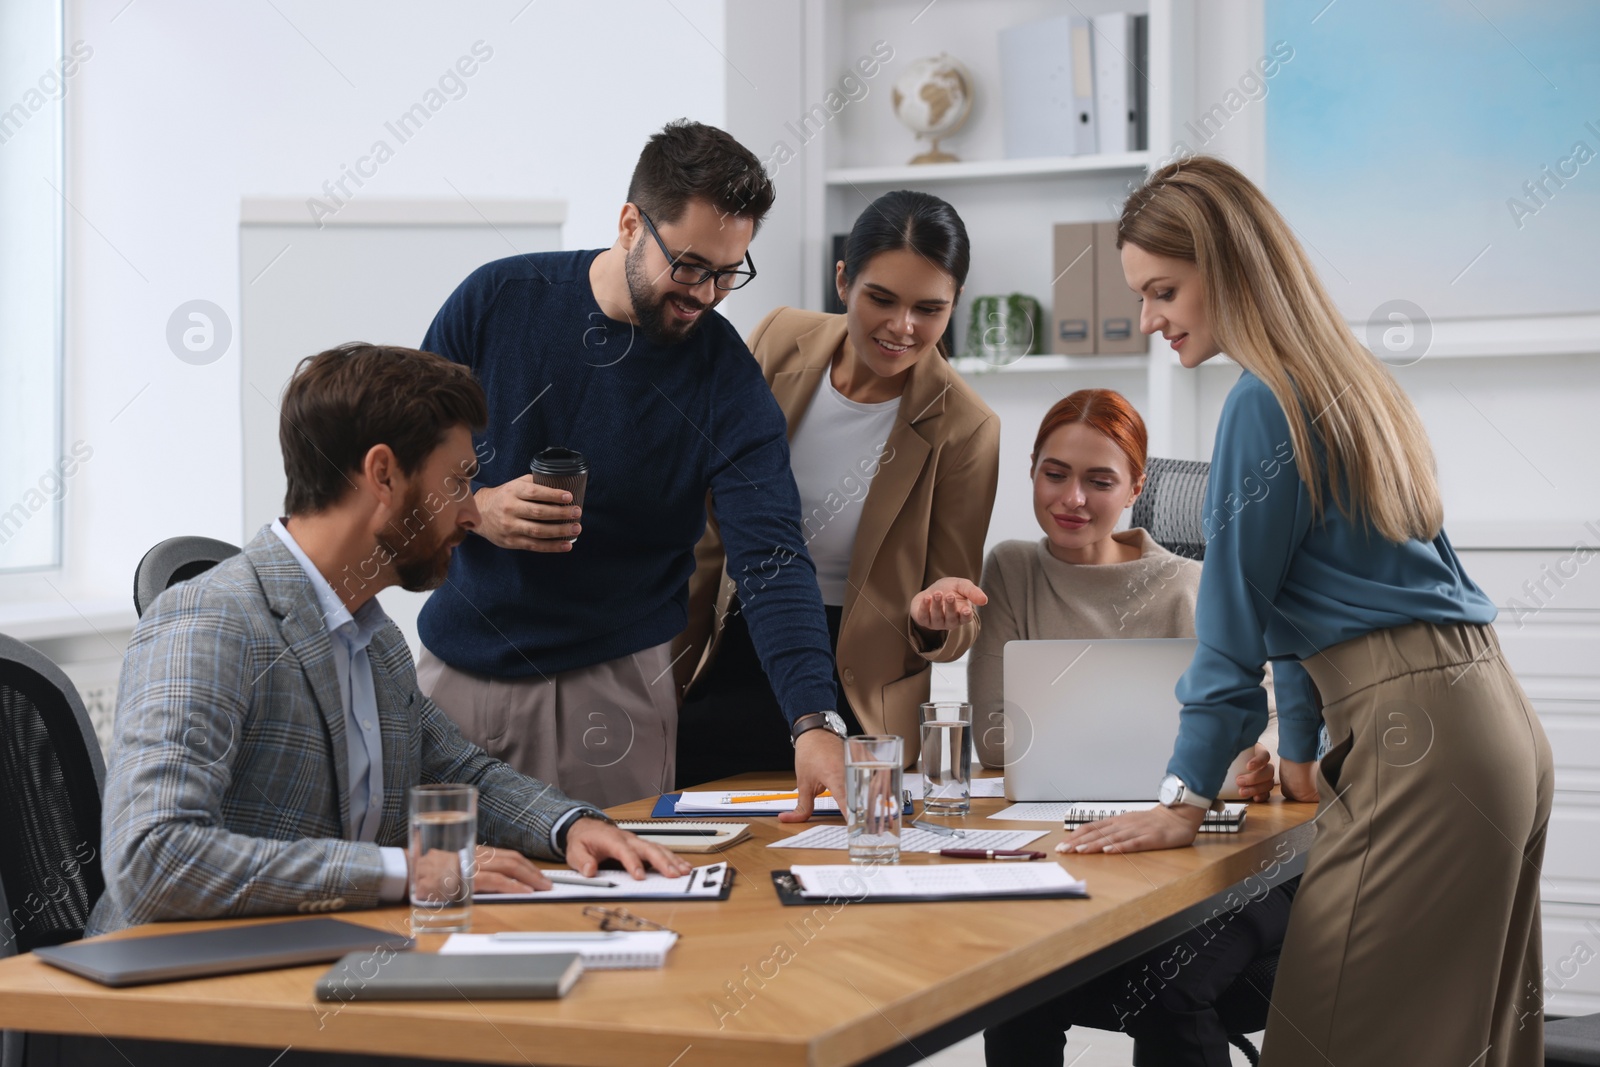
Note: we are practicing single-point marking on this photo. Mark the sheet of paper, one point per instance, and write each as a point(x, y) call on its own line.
point(913, 839)
point(981, 787)
point(699, 882)
point(947, 879)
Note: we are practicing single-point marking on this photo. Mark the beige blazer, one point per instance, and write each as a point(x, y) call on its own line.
point(924, 518)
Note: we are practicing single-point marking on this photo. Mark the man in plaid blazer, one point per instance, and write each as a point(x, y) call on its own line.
point(268, 720)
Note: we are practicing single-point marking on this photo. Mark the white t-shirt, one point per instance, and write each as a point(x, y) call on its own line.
point(836, 451)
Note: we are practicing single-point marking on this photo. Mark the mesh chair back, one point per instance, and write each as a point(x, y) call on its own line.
point(53, 772)
point(177, 559)
point(1172, 506)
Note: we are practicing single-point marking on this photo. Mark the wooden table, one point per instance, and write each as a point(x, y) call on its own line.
point(749, 982)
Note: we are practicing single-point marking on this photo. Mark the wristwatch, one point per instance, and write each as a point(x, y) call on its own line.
point(818, 720)
point(1174, 793)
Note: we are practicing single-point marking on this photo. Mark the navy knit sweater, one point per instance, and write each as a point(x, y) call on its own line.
point(659, 425)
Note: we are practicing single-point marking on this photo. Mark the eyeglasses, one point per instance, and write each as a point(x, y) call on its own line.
point(621, 919)
point(689, 274)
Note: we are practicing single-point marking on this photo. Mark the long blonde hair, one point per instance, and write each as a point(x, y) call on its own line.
point(1269, 312)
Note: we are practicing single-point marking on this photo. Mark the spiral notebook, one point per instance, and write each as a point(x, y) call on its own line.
point(620, 951)
point(685, 835)
point(1072, 814)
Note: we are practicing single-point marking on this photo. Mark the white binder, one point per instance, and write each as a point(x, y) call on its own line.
point(1047, 88)
point(1116, 78)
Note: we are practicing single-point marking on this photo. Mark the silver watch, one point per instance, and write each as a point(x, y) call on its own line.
point(1174, 793)
point(818, 720)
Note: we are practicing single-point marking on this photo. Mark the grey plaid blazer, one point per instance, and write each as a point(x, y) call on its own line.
point(226, 792)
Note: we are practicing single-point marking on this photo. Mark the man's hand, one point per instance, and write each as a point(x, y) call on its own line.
point(524, 514)
point(1138, 831)
point(437, 876)
point(1256, 780)
point(589, 841)
point(946, 604)
point(1298, 780)
point(818, 765)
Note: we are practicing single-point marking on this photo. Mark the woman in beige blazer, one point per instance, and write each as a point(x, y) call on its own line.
point(896, 459)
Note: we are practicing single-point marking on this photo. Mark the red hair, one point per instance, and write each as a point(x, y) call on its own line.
point(1107, 412)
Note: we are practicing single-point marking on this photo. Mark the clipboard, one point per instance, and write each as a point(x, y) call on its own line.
point(627, 890)
point(787, 886)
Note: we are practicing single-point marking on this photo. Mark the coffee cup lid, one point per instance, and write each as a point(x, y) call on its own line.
point(558, 460)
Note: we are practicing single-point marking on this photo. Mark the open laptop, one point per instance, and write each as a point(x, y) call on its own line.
point(1094, 720)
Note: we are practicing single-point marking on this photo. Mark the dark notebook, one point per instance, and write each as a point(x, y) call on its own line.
point(430, 976)
point(225, 950)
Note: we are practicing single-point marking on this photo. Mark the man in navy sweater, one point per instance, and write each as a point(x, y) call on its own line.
point(549, 642)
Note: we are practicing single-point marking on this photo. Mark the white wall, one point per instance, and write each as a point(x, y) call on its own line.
point(187, 106)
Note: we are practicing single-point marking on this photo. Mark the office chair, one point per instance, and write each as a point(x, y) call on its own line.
point(1572, 1042)
point(49, 811)
point(177, 559)
point(1172, 506)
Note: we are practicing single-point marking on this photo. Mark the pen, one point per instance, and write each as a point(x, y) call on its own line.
point(647, 832)
point(563, 878)
point(772, 796)
point(991, 854)
point(554, 935)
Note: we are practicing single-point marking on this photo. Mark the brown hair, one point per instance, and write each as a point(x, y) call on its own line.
point(692, 161)
point(1107, 412)
point(1269, 312)
point(340, 403)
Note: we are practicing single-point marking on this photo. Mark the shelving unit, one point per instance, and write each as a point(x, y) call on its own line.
point(1008, 205)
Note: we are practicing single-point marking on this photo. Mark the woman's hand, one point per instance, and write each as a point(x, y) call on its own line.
point(946, 604)
point(1298, 780)
point(1138, 831)
point(1256, 780)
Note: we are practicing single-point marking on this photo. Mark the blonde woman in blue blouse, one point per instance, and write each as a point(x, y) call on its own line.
point(1415, 933)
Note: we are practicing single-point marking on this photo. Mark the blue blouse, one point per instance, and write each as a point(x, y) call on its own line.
point(1278, 586)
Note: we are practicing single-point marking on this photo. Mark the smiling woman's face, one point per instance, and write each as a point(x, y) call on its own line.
point(1172, 302)
point(896, 310)
point(1082, 483)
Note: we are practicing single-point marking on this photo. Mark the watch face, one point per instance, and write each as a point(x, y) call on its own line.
point(1171, 790)
point(835, 722)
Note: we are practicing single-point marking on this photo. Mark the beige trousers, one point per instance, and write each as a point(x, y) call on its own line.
point(605, 734)
point(1415, 935)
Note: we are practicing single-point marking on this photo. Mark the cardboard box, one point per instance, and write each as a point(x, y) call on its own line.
point(1072, 297)
point(1116, 311)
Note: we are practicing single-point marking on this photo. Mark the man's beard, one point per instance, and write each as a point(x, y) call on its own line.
point(650, 309)
point(420, 562)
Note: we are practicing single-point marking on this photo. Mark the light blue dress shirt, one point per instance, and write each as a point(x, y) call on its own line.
point(351, 634)
point(1278, 586)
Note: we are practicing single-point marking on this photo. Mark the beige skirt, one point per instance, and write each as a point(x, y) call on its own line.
point(1415, 935)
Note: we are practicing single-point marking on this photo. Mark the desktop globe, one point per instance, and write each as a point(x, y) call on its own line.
point(933, 97)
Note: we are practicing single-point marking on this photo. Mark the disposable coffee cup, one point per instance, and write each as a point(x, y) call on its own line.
point(562, 468)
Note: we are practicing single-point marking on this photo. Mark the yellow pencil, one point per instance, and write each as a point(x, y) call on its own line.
point(772, 796)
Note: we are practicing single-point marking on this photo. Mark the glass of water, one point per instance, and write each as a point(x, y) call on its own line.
point(872, 769)
point(947, 758)
point(444, 839)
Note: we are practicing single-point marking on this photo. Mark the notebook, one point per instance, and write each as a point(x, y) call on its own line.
point(226, 950)
point(711, 882)
point(1073, 814)
point(622, 950)
point(688, 836)
point(430, 976)
point(1037, 880)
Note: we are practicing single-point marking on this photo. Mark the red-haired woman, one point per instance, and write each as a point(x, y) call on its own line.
point(1084, 581)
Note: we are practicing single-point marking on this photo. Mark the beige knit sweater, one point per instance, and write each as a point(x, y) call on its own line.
point(1034, 596)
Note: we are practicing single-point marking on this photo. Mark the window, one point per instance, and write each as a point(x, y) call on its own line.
point(35, 467)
